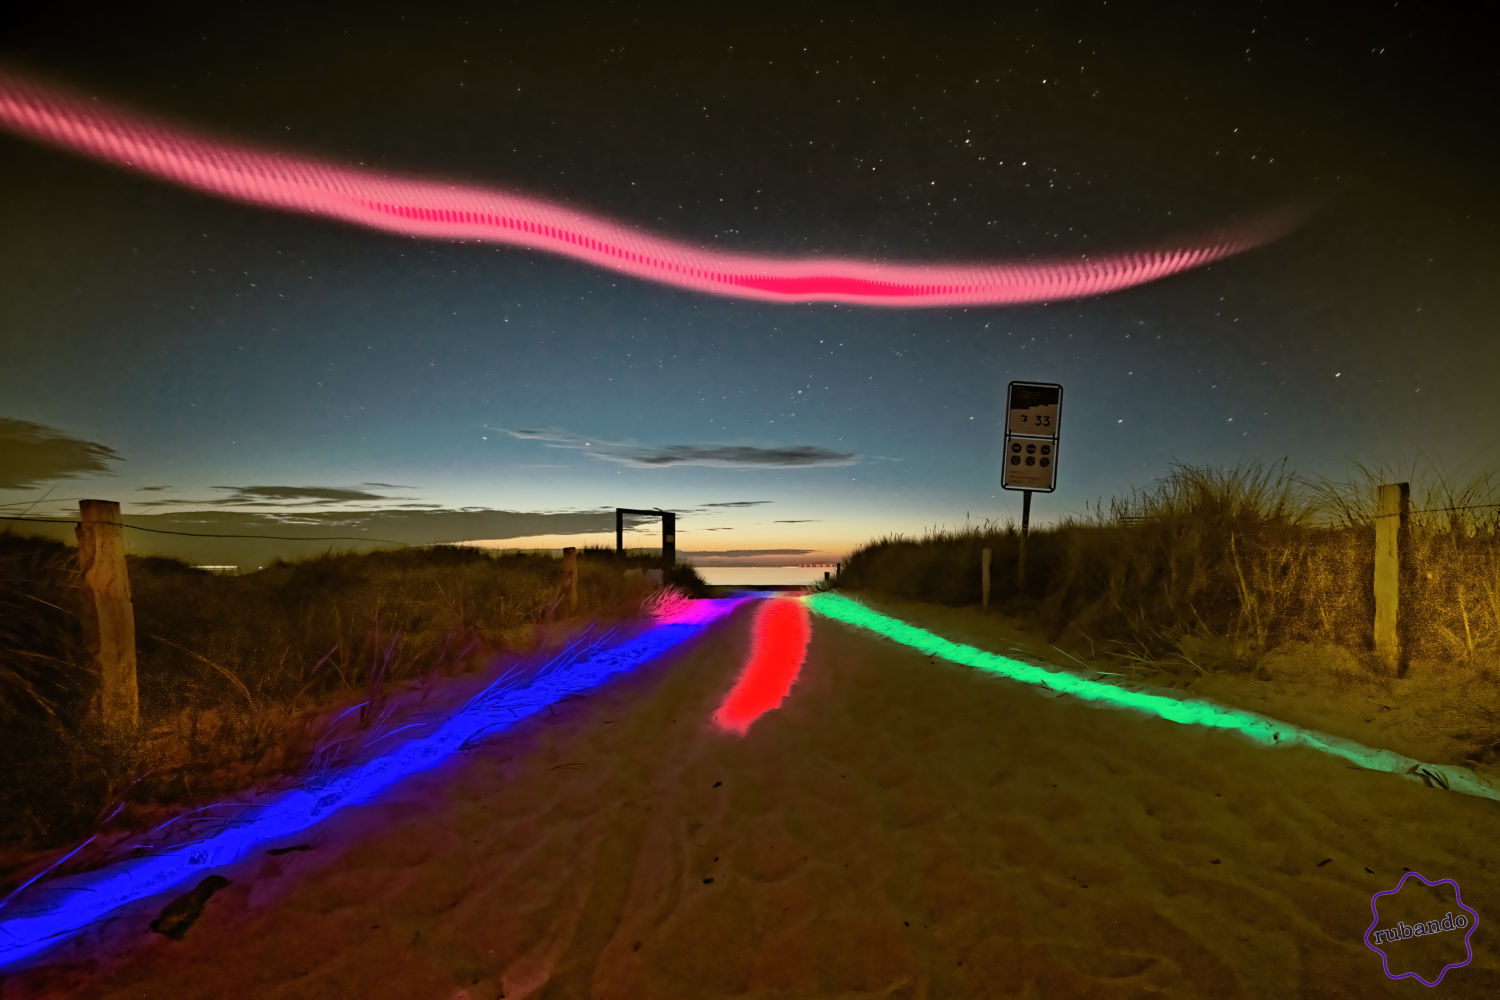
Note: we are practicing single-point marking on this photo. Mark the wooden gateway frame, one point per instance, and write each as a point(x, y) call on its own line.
point(668, 532)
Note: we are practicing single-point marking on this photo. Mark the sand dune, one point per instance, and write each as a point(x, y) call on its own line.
point(899, 828)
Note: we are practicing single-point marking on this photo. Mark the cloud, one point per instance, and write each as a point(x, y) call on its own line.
point(735, 456)
point(419, 527)
point(557, 439)
point(805, 520)
point(389, 486)
point(152, 489)
point(301, 534)
point(721, 456)
point(278, 494)
point(287, 497)
point(713, 529)
point(738, 503)
point(31, 454)
point(173, 503)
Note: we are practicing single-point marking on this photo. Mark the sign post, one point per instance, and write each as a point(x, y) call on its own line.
point(1033, 420)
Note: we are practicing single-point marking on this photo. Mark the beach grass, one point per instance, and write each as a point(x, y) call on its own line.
point(1215, 568)
point(238, 674)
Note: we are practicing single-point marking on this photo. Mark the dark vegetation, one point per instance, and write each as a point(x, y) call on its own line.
point(235, 671)
point(1213, 569)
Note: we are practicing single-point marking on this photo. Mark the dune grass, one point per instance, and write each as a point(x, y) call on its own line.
point(1215, 568)
point(235, 673)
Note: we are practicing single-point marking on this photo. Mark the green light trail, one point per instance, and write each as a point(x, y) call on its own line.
point(1260, 729)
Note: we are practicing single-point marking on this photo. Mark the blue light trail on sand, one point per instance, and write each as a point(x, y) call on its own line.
point(46, 913)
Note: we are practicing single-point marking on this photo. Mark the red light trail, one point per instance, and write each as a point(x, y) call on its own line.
point(782, 630)
point(437, 210)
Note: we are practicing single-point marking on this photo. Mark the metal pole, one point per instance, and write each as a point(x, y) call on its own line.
point(619, 532)
point(1025, 527)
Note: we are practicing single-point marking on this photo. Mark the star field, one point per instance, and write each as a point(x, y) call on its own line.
point(209, 345)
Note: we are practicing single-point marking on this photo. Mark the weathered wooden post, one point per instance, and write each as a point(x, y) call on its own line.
point(668, 540)
point(570, 577)
point(984, 575)
point(1391, 526)
point(109, 619)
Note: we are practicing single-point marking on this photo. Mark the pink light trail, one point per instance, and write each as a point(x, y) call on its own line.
point(436, 210)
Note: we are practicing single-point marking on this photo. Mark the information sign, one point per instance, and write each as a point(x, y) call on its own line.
point(1033, 413)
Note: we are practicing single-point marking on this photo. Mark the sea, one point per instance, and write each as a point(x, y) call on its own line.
point(731, 576)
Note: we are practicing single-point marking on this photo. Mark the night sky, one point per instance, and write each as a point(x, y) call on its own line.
point(218, 366)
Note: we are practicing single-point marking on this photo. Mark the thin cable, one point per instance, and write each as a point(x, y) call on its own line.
point(1472, 506)
point(29, 503)
point(196, 534)
point(1434, 510)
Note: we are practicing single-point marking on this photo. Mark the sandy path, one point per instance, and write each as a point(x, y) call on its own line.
point(899, 828)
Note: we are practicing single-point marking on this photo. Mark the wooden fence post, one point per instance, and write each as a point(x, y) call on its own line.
point(109, 619)
point(984, 575)
point(1391, 516)
point(668, 540)
point(570, 577)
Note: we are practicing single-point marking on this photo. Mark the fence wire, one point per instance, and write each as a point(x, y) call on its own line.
point(203, 534)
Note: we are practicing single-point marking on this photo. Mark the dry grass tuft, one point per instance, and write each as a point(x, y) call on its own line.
point(1214, 568)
